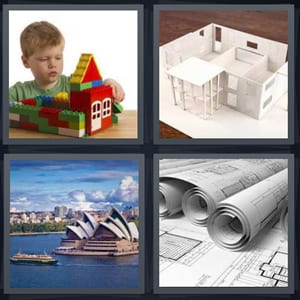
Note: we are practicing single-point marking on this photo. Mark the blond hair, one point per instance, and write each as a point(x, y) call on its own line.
point(39, 35)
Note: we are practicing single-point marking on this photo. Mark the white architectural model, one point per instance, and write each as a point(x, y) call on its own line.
point(216, 64)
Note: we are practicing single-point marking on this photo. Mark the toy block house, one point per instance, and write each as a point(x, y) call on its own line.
point(87, 110)
point(89, 96)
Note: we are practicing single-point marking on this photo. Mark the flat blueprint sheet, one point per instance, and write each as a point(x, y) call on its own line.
point(189, 258)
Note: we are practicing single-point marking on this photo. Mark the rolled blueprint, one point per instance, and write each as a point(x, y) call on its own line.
point(284, 221)
point(238, 219)
point(171, 189)
point(174, 163)
point(215, 184)
point(171, 192)
point(179, 165)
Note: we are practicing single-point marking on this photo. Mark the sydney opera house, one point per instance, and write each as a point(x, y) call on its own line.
point(113, 236)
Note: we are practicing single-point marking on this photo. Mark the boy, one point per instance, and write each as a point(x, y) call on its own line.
point(42, 47)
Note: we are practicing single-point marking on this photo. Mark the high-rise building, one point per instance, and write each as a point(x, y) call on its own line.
point(60, 211)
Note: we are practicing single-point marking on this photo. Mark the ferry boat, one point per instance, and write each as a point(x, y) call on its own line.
point(22, 258)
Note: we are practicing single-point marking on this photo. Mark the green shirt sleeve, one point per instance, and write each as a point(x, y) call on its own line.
point(16, 92)
point(29, 89)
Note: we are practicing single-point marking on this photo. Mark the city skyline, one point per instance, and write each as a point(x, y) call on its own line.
point(40, 185)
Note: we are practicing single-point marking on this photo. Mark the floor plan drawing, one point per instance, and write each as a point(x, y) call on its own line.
point(198, 262)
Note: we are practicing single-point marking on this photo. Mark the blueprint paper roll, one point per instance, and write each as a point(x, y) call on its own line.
point(215, 184)
point(180, 165)
point(238, 219)
point(170, 193)
point(172, 189)
point(197, 205)
point(284, 221)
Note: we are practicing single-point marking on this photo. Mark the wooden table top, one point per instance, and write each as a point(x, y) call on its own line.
point(126, 128)
point(173, 24)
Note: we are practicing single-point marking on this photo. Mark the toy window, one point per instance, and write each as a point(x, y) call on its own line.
point(201, 32)
point(96, 110)
point(106, 107)
point(251, 45)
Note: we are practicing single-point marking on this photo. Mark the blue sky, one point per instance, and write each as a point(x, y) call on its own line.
point(40, 185)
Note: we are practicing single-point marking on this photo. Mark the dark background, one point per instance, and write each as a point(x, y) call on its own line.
point(149, 148)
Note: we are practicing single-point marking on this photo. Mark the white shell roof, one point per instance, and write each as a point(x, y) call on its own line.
point(112, 229)
point(89, 218)
point(122, 223)
point(77, 231)
point(111, 222)
point(134, 231)
point(87, 227)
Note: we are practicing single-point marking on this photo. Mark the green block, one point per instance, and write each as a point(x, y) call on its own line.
point(80, 86)
point(44, 126)
point(71, 116)
point(26, 110)
point(39, 101)
point(117, 108)
point(76, 125)
point(75, 87)
point(15, 109)
point(32, 111)
point(115, 119)
point(34, 118)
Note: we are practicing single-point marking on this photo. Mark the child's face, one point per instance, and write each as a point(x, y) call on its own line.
point(46, 65)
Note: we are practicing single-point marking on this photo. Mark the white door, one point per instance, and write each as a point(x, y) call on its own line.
point(96, 115)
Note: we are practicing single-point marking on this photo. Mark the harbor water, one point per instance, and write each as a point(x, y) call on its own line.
point(70, 271)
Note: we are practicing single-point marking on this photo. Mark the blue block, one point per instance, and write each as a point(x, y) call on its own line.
point(96, 83)
point(46, 100)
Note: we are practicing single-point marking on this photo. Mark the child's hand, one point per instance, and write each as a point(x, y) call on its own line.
point(118, 92)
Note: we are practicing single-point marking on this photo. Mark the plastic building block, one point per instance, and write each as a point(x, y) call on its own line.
point(58, 123)
point(71, 116)
point(77, 125)
point(92, 72)
point(115, 119)
point(14, 116)
point(97, 83)
point(28, 126)
point(80, 86)
point(14, 124)
point(117, 108)
point(48, 112)
point(46, 100)
point(85, 101)
point(86, 70)
point(24, 118)
point(61, 103)
point(88, 108)
point(71, 132)
point(62, 96)
point(31, 102)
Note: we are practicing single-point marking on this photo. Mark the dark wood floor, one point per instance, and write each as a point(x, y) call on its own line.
point(173, 24)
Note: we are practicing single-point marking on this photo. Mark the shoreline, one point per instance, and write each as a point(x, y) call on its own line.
point(34, 233)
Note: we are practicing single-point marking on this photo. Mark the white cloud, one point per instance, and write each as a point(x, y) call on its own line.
point(20, 202)
point(127, 191)
point(96, 196)
point(22, 199)
point(78, 196)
